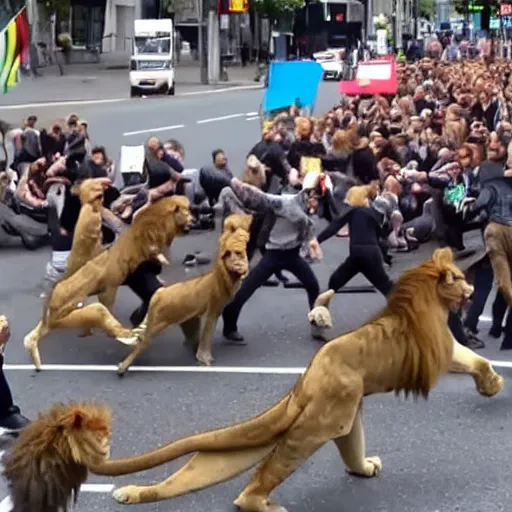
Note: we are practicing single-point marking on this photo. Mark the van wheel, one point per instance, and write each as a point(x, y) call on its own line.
point(134, 92)
point(171, 90)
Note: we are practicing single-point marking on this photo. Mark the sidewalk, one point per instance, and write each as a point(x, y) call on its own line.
point(109, 80)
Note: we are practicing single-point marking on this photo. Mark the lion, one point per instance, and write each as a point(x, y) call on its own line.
point(48, 462)
point(325, 404)
point(203, 297)
point(406, 348)
point(359, 196)
point(87, 236)
point(150, 234)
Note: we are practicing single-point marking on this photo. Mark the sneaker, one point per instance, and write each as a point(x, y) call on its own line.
point(474, 342)
point(201, 258)
point(235, 337)
point(318, 334)
point(13, 421)
point(190, 260)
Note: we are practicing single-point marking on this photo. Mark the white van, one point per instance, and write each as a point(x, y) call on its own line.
point(152, 60)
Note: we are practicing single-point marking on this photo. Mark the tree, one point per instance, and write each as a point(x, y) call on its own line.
point(276, 9)
point(461, 6)
point(59, 7)
point(426, 8)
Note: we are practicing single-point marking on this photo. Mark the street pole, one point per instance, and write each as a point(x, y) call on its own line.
point(415, 19)
point(203, 39)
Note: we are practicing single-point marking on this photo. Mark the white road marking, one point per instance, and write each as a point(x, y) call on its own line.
point(227, 89)
point(97, 488)
point(51, 104)
point(254, 370)
point(153, 130)
point(252, 114)
point(221, 118)
point(61, 104)
point(253, 118)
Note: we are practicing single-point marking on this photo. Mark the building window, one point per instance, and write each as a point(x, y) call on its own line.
point(87, 23)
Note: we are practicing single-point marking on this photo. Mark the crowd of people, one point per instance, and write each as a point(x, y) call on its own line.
point(390, 172)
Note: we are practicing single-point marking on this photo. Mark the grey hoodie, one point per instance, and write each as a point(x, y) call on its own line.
point(293, 227)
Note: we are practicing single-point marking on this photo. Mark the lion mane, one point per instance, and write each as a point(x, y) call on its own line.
point(188, 302)
point(48, 462)
point(359, 196)
point(406, 348)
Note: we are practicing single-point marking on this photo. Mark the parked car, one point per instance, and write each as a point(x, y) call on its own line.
point(332, 63)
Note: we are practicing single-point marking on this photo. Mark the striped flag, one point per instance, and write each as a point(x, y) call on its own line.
point(14, 50)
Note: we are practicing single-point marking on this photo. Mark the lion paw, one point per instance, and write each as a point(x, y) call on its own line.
point(320, 317)
point(257, 503)
point(162, 259)
point(204, 357)
point(5, 332)
point(372, 467)
point(130, 340)
point(128, 495)
point(30, 344)
point(489, 383)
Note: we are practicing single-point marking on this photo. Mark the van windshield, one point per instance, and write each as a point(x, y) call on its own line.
point(152, 45)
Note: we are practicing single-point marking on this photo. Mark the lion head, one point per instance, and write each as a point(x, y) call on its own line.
point(160, 222)
point(91, 190)
point(49, 460)
point(233, 244)
point(418, 308)
point(359, 196)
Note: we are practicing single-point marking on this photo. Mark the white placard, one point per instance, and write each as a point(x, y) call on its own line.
point(132, 159)
point(224, 21)
point(373, 71)
point(382, 42)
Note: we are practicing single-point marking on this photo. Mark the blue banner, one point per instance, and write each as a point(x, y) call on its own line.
point(291, 82)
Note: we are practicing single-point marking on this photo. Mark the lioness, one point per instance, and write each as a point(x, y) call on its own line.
point(87, 236)
point(203, 297)
point(151, 233)
point(406, 347)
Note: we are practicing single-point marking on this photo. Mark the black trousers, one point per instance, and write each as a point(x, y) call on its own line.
point(483, 282)
point(144, 283)
point(272, 261)
point(367, 260)
point(5, 391)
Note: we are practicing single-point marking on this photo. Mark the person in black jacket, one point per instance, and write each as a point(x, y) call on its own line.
point(273, 156)
point(367, 252)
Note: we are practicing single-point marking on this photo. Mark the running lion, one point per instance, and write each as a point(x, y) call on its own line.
point(406, 348)
point(150, 235)
point(200, 299)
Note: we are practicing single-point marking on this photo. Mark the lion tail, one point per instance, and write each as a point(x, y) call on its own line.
point(206, 469)
point(257, 432)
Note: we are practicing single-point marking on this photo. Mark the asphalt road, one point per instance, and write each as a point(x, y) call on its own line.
point(449, 454)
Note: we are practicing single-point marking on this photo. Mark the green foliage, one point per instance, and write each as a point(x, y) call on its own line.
point(276, 8)
point(462, 5)
point(427, 8)
point(59, 7)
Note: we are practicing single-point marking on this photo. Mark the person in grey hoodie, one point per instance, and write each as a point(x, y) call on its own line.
point(291, 239)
